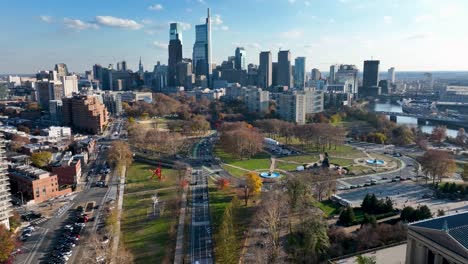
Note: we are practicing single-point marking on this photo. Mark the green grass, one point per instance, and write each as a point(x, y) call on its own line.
point(150, 240)
point(329, 208)
point(286, 166)
point(218, 202)
point(238, 173)
point(257, 162)
point(307, 158)
point(138, 176)
point(341, 162)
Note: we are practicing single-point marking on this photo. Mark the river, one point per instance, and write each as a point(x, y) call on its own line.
point(410, 121)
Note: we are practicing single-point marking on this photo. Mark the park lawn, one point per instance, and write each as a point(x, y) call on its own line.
point(261, 161)
point(235, 172)
point(138, 178)
point(328, 207)
point(302, 159)
point(359, 214)
point(286, 166)
point(358, 169)
point(150, 240)
point(341, 162)
point(219, 199)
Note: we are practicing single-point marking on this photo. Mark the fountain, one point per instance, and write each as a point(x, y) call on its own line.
point(375, 162)
point(270, 174)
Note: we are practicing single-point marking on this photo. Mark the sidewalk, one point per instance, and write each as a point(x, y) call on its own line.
point(116, 238)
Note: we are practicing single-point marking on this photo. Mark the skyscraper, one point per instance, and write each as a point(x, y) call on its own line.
point(316, 74)
point(299, 72)
point(202, 49)
point(61, 69)
point(175, 53)
point(391, 75)
point(348, 74)
point(265, 70)
point(332, 74)
point(240, 59)
point(140, 69)
point(284, 68)
point(371, 73)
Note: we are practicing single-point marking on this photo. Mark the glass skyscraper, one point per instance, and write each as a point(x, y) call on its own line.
point(175, 53)
point(202, 50)
point(299, 72)
point(240, 59)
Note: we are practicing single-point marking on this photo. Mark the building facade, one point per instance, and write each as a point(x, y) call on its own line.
point(284, 72)
point(202, 49)
point(265, 70)
point(5, 198)
point(240, 59)
point(175, 53)
point(299, 72)
point(85, 113)
point(371, 73)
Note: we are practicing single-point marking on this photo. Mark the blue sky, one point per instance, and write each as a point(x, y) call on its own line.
point(407, 34)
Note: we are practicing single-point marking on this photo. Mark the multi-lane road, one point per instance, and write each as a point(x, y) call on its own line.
point(201, 242)
point(40, 244)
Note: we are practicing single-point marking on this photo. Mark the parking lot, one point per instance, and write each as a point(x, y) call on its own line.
point(403, 194)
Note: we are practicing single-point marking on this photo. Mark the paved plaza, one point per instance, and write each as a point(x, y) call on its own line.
point(404, 194)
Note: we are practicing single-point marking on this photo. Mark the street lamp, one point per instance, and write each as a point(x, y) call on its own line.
point(22, 201)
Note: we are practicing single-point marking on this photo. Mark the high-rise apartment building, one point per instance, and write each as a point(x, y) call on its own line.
point(265, 70)
point(292, 107)
point(299, 72)
point(202, 50)
point(175, 53)
point(256, 100)
point(55, 111)
point(70, 85)
point(85, 113)
point(371, 73)
point(240, 59)
point(184, 74)
point(5, 198)
point(284, 74)
point(391, 75)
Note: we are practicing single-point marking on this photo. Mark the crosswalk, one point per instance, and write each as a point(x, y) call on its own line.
point(38, 221)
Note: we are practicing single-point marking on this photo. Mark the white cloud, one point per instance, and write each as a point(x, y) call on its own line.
point(111, 21)
point(159, 45)
point(47, 19)
point(291, 1)
point(184, 26)
point(188, 10)
point(307, 3)
point(147, 21)
point(155, 7)
point(295, 33)
point(202, 2)
point(388, 19)
point(423, 18)
point(331, 21)
point(216, 20)
point(223, 28)
point(78, 25)
point(253, 45)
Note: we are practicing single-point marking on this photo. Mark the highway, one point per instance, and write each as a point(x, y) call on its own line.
point(42, 241)
point(201, 243)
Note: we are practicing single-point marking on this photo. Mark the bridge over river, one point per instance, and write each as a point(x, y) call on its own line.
point(463, 122)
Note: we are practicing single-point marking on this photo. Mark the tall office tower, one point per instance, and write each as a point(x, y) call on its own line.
point(140, 69)
point(348, 74)
point(5, 198)
point(371, 73)
point(97, 72)
point(202, 50)
point(123, 66)
point(175, 53)
point(299, 72)
point(274, 73)
point(240, 59)
point(70, 85)
point(332, 74)
point(284, 75)
point(316, 74)
point(391, 75)
point(184, 74)
point(265, 70)
point(61, 69)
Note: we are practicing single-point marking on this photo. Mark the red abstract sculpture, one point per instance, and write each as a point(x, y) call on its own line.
point(157, 173)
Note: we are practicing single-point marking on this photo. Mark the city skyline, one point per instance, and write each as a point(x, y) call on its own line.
point(395, 32)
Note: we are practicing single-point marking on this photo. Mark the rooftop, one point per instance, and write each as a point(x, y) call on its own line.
point(450, 231)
